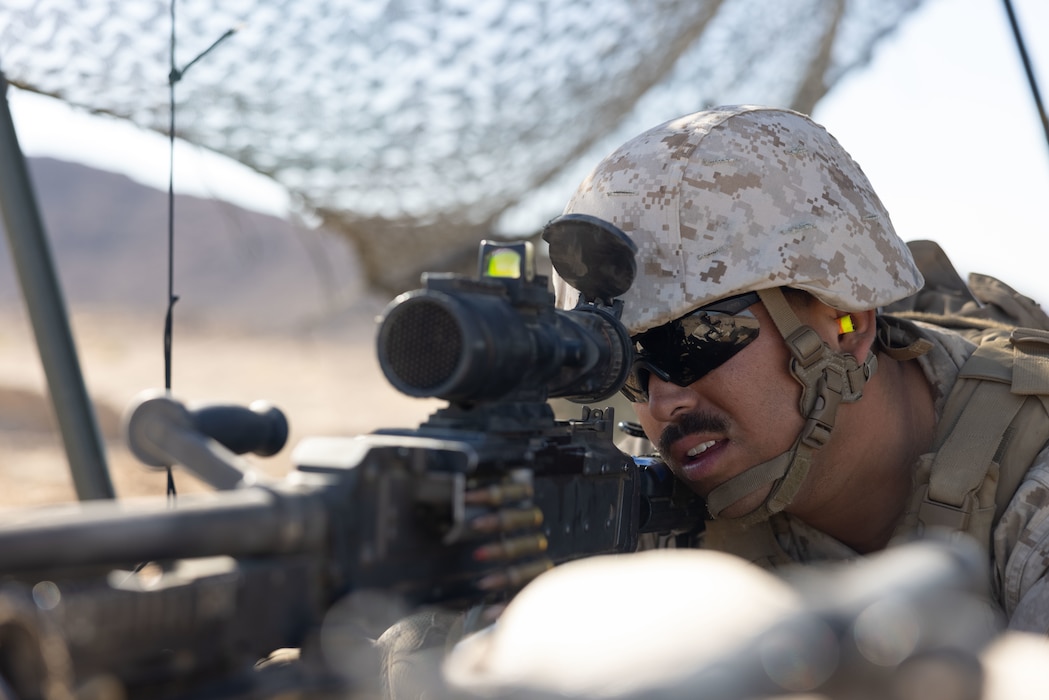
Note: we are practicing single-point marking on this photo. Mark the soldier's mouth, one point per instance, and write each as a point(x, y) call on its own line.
point(700, 448)
point(699, 462)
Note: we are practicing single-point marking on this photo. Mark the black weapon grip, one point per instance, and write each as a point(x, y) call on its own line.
point(260, 428)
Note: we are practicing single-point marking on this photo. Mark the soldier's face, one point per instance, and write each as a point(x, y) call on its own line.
point(740, 415)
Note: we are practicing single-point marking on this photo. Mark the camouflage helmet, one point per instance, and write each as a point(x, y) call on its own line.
point(739, 199)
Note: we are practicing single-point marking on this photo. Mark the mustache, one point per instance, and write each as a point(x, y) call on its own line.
point(689, 424)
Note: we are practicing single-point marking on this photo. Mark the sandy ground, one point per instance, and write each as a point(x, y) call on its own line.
point(327, 384)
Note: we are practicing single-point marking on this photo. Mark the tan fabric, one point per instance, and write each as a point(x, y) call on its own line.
point(1018, 546)
point(1021, 549)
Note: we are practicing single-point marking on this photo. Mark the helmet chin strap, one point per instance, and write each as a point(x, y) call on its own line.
point(827, 380)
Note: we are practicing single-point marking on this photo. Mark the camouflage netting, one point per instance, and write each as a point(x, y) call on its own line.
point(417, 127)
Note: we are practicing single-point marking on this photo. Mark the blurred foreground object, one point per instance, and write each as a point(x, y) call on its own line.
point(703, 625)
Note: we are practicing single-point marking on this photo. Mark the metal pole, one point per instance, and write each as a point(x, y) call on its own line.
point(47, 312)
point(1014, 24)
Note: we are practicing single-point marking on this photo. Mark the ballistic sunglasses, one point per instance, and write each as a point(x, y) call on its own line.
point(688, 348)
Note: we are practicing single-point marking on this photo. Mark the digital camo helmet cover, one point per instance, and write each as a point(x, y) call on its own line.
point(739, 199)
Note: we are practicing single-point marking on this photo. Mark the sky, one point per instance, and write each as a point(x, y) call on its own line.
point(944, 124)
point(942, 121)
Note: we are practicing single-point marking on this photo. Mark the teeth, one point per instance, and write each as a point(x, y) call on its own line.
point(701, 448)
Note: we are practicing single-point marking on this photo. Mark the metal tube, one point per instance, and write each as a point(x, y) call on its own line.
point(244, 522)
point(46, 306)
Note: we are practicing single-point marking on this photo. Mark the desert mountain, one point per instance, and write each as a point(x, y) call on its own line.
point(232, 267)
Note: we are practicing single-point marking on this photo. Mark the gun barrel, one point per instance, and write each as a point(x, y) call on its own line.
point(243, 522)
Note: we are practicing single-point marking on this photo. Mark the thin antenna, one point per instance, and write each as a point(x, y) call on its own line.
point(174, 76)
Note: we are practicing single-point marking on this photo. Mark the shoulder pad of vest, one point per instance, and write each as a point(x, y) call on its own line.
point(1031, 361)
point(1019, 358)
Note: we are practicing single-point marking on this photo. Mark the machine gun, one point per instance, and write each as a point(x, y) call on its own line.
point(180, 600)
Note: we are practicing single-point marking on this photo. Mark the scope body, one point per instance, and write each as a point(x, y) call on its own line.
point(470, 340)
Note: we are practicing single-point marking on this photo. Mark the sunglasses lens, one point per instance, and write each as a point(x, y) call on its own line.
point(685, 350)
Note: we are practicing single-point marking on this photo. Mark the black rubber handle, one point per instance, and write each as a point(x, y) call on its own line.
point(261, 428)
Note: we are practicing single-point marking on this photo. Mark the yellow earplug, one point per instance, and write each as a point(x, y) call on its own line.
point(845, 324)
